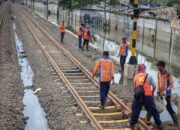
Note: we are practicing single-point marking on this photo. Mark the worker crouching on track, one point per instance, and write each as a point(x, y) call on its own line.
point(80, 32)
point(106, 69)
point(86, 38)
point(144, 92)
point(62, 31)
point(165, 85)
point(123, 53)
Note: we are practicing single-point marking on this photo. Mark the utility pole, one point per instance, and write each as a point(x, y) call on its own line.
point(47, 2)
point(135, 4)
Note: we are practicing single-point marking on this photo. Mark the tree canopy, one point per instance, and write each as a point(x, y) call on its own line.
point(163, 2)
point(71, 4)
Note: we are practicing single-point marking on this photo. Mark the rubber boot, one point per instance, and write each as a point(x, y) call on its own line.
point(160, 127)
point(175, 120)
point(148, 116)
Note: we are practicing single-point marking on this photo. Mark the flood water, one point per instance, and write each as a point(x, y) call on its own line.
point(36, 117)
point(120, 26)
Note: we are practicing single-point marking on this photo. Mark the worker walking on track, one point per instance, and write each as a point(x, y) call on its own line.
point(144, 91)
point(86, 38)
point(62, 31)
point(165, 85)
point(105, 68)
point(123, 52)
point(80, 32)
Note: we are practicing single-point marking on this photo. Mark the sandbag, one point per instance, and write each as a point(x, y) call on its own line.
point(160, 103)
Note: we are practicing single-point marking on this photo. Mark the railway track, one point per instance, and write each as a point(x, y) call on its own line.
point(80, 82)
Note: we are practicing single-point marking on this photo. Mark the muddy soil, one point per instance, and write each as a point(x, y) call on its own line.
point(59, 105)
point(11, 90)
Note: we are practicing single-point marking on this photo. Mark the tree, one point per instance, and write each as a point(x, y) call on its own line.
point(113, 2)
point(172, 2)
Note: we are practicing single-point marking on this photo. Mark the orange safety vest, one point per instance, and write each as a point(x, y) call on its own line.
point(86, 35)
point(79, 32)
point(106, 68)
point(165, 80)
point(62, 28)
point(122, 49)
point(139, 81)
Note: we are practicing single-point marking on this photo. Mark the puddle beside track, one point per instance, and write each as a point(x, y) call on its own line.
point(36, 117)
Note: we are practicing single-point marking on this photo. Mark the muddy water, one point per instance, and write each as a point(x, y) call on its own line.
point(33, 111)
point(109, 40)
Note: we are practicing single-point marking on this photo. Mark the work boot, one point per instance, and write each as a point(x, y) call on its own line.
point(87, 48)
point(160, 127)
point(102, 107)
point(132, 127)
point(175, 120)
point(148, 116)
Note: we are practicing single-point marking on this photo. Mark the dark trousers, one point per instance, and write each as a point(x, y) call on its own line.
point(148, 102)
point(122, 62)
point(80, 41)
point(62, 37)
point(169, 106)
point(104, 90)
point(86, 42)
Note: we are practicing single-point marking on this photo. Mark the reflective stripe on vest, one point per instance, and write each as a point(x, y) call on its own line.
point(139, 81)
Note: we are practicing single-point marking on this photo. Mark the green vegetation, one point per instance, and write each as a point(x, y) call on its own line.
point(71, 4)
point(163, 2)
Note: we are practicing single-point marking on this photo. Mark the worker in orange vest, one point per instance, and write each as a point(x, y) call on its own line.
point(105, 68)
point(86, 38)
point(165, 86)
point(143, 81)
point(123, 52)
point(62, 31)
point(80, 32)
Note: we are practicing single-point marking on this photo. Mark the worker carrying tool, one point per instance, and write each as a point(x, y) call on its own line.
point(105, 68)
point(144, 91)
point(123, 53)
point(62, 31)
point(86, 38)
point(80, 32)
point(165, 85)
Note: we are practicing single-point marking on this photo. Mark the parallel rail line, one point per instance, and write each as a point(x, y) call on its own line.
point(80, 82)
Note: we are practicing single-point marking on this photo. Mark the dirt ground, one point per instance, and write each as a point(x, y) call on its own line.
point(11, 90)
point(59, 105)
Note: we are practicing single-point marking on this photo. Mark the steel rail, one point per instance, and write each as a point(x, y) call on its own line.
point(64, 78)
